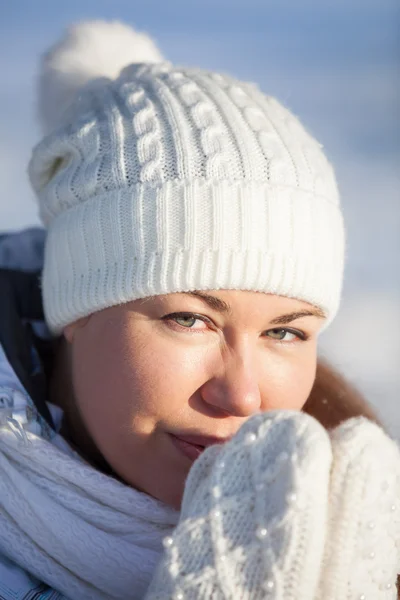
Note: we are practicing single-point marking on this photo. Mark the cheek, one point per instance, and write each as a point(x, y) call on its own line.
point(130, 390)
point(129, 383)
point(288, 383)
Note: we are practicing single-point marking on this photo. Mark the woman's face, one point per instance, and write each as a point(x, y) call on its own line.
point(158, 379)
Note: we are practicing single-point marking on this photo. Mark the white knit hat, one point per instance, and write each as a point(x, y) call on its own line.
point(162, 179)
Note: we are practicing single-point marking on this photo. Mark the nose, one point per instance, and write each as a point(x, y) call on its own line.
point(235, 389)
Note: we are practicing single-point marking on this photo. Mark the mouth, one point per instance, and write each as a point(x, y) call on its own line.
point(192, 446)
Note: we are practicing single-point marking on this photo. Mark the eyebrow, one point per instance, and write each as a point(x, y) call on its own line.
point(223, 307)
point(212, 301)
point(284, 319)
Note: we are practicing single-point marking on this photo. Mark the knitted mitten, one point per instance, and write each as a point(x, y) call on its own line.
point(362, 549)
point(284, 512)
point(254, 516)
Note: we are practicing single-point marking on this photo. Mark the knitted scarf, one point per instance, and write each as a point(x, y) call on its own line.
point(81, 532)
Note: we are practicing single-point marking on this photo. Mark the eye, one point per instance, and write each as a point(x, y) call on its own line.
point(286, 335)
point(186, 321)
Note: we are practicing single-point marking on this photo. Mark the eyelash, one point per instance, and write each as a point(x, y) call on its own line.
point(301, 335)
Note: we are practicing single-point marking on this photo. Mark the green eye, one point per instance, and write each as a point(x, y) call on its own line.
point(278, 334)
point(190, 321)
point(286, 335)
point(186, 321)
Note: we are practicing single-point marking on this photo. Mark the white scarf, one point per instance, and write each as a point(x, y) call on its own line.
point(81, 532)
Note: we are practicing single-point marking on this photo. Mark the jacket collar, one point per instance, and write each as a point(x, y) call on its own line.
point(29, 355)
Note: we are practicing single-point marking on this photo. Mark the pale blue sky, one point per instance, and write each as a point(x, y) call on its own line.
point(333, 63)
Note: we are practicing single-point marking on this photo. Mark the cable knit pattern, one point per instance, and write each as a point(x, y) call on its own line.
point(147, 130)
point(283, 512)
point(171, 179)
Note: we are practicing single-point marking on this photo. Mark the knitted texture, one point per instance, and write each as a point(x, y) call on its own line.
point(362, 550)
point(173, 179)
point(85, 534)
point(283, 512)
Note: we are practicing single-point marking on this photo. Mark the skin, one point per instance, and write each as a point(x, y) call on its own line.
point(138, 376)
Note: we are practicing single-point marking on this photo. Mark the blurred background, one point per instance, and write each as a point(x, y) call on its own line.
point(334, 63)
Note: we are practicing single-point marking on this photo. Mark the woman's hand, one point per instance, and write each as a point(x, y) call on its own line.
point(287, 511)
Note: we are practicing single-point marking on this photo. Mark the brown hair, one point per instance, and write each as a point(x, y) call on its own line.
point(333, 399)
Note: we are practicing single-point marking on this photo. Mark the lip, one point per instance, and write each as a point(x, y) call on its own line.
point(193, 445)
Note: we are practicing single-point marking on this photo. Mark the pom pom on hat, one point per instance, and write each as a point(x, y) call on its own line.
point(88, 50)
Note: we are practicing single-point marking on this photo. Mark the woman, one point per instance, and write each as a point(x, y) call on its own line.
point(194, 252)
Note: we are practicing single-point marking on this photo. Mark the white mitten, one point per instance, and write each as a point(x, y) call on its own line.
point(273, 515)
point(362, 549)
point(253, 517)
